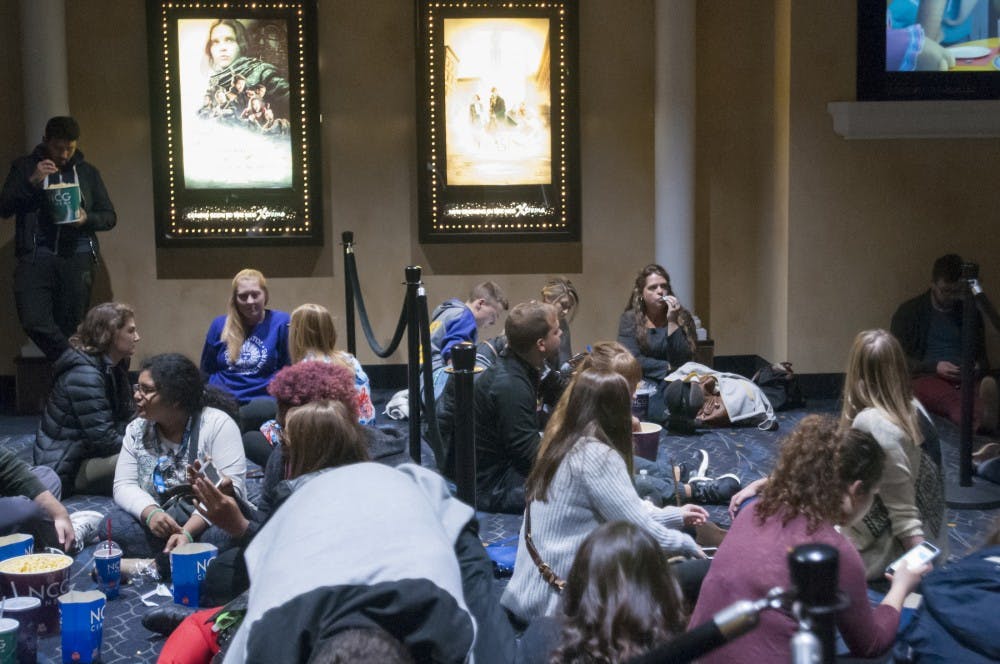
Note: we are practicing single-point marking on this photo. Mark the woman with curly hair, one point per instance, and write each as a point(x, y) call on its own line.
point(910, 507)
point(826, 476)
point(80, 432)
point(658, 330)
point(620, 601)
point(179, 423)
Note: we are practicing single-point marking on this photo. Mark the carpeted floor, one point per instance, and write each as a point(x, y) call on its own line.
point(747, 452)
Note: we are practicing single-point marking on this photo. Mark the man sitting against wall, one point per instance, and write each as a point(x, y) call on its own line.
point(929, 327)
point(505, 399)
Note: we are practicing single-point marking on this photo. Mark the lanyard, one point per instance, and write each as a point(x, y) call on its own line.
point(169, 460)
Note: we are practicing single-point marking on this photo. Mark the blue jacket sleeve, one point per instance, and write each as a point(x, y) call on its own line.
point(462, 328)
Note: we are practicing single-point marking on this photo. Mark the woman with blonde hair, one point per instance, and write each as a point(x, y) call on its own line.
point(313, 337)
point(878, 400)
point(658, 330)
point(245, 347)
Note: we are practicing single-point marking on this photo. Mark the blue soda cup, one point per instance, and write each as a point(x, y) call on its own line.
point(108, 565)
point(82, 624)
point(18, 544)
point(188, 564)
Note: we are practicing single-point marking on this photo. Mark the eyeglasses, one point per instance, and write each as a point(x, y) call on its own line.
point(144, 390)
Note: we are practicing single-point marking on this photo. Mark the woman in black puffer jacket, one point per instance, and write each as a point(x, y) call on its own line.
point(81, 430)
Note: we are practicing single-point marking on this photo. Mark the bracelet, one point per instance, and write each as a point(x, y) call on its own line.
point(189, 536)
point(151, 514)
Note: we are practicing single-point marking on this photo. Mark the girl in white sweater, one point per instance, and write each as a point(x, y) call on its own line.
point(582, 478)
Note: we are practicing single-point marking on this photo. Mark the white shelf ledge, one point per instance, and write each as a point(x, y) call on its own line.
point(915, 119)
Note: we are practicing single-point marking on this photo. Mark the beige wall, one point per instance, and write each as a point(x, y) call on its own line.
point(369, 167)
point(859, 221)
point(802, 238)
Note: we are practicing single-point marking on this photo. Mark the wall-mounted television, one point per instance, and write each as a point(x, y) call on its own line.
point(928, 49)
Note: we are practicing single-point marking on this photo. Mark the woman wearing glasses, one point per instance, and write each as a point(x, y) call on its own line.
point(81, 430)
point(179, 422)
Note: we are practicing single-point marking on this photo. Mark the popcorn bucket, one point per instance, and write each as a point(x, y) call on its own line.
point(63, 201)
point(41, 575)
point(646, 441)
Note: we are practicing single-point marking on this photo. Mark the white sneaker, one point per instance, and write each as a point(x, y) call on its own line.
point(86, 527)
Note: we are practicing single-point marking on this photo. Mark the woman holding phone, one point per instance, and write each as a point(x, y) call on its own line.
point(826, 477)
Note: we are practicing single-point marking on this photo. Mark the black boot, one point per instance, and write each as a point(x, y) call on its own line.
point(717, 491)
point(165, 619)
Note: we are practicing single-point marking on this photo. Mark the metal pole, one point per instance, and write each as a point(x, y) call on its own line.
point(413, 358)
point(816, 577)
point(970, 272)
point(350, 272)
point(463, 361)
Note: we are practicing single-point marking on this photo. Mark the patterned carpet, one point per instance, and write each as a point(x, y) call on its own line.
point(747, 452)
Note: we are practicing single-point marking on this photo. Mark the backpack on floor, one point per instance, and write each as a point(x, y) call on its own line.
point(781, 386)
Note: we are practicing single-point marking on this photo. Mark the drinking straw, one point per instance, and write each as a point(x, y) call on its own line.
point(109, 537)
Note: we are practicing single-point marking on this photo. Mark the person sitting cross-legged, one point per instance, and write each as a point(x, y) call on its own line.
point(505, 401)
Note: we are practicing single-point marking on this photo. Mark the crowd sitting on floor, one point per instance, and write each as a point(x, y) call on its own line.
point(607, 567)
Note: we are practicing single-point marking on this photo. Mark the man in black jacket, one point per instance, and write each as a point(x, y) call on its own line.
point(929, 328)
point(505, 399)
point(55, 260)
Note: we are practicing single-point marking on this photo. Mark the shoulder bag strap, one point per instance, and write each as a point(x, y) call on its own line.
point(547, 572)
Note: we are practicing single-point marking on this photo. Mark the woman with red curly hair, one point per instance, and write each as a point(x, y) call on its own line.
point(826, 476)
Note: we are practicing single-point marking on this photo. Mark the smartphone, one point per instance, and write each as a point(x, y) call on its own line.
point(916, 557)
point(209, 471)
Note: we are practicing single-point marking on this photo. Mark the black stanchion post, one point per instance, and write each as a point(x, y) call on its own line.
point(814, 573)
point(463, 362)
point(348, 239)
point(413, 358)
point(970, 272)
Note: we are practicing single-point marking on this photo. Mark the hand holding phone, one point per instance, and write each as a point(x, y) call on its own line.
point(915, 558)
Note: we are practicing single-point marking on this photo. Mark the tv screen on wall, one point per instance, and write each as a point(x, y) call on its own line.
point(928, 49)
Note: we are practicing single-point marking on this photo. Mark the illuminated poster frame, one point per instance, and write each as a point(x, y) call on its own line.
point(498, 121)
point(235, 122)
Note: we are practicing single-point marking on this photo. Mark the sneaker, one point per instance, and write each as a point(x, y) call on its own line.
point(86, 527)
point(717, 491)
point(989, 396)
point(986, 452)
point(683, 473)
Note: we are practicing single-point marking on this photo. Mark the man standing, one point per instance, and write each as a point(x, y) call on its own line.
point(55, 260)
point(505, 399)
point(929, 328)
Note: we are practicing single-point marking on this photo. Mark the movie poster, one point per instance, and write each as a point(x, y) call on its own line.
point(234, 93)
point(498, 101)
